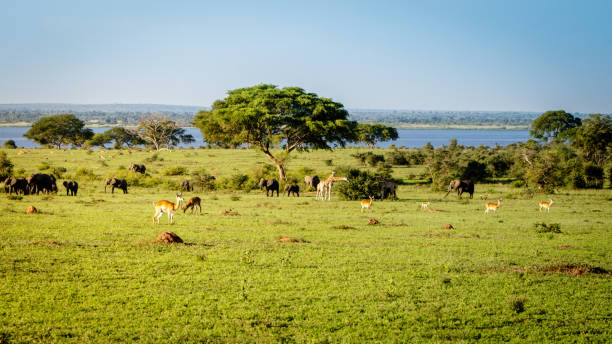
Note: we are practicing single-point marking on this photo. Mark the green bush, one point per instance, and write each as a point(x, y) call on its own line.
point(202, 180)
point(6, 166)
point(360, 185)
point(85, 174)
point(397, 157)
point(236, 181)
point(594, 176)
point(175, 171)
point(10, 144)
point(542, 227)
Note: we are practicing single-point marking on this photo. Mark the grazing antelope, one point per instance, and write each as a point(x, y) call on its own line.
point(546, 205)
point(424, 205)
point(367, 204)
point(164, 206)
point(493, 206)
point(192, 203)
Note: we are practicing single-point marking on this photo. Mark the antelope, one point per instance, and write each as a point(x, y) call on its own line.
point(493, 206)
point(192, 203)
point(367, 204)
point(424, 205)
point(546, 205)
point(164, 206)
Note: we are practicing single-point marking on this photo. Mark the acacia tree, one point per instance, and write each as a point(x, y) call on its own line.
point(266, 117)
point(59, 130)
point(553, 125)
point(373, 133)
point(594, 138)
point(120, 135)
point(161, 132)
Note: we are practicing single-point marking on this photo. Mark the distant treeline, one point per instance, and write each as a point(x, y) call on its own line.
point(129, 114)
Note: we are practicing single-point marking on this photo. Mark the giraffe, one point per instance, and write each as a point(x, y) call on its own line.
point(324, 189)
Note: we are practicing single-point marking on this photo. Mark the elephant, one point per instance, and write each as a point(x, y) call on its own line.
point(292, 188)
point(116, 183)
point(71, 187)
point(38, 182)
point(387, 188)
point(269, 184)
point(17, 185)
point(186, 185)
point(140, 168)
point(461, 186)
point(312, 181)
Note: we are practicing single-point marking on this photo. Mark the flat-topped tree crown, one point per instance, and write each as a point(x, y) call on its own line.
point(265, 116)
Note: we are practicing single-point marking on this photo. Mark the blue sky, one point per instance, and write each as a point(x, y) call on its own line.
point(438, 55)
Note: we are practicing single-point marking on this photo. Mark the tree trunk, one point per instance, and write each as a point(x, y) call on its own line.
point(279, 165)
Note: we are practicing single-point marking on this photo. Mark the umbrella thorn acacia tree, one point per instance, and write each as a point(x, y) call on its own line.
point(266, 116)
point(59, 130)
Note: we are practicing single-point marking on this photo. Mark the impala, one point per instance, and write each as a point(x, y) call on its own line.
point(493, 206)
point(164, 206)
point(424, 205)
point(192, 203)
point(367, 204)
point(546, 205)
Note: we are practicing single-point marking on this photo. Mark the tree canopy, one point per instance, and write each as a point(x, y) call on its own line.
point(59, 130)
point(553, 125)
point(119, 135)
point(268, 117)
point(161, 132)
point(374, 133)
point(594, 138)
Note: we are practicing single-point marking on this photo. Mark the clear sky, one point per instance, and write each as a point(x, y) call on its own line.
point(439, 55)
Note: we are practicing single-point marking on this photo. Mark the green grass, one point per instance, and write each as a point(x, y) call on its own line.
point(87, 270)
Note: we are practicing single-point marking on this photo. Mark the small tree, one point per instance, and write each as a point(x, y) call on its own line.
point(120, 135)
point(553, 125)
point(371, 134)
point(594, 138)
point(6, 166)
point(59, 130)
point(161, 132)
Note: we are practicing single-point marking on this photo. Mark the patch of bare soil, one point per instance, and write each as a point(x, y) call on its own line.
point(279, 222)
point(564, 247)
point(169, 238)
point(343, 227)
point(396, 225)
point(208, 229)
point(228, 212)
point(285, 239)
point(32, 210)
point(576, 270)
point(373, 221)
point(429, 244)
point(45, 243)
point(448, 226)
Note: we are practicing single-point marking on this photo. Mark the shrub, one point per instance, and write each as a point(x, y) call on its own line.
point(175, 171)
point(517, 304)
point(6, 166)
point(236, 181)
point(10, 144)
point(328, 162)
point(361, 185)
point(476, 171)
point(85, 174)
point(202, 180)
point(594, 176)
point(610, 176)
point(397, 157)
point(577, 180)
point(542, 227)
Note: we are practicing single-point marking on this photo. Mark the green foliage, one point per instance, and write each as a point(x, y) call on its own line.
point(6, 166)
point(517, 304)
point(371, 134)
point(14, 197)
point(202, 180)
point(360, 185)
point(594, 138)
point(9, 144)
point(262, 115)
point(553, 125)
point(369, 158)
point(475, 171)
point(83, 174)
point(237, 181)
point(542, 227)
point(175, 171)
point(160, 132)
point(58, 130)
point(121, 137)
point(594, 176)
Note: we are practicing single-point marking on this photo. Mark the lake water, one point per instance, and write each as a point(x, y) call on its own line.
point(410, 138)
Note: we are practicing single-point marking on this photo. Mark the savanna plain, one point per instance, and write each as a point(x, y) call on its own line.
point(87, 268)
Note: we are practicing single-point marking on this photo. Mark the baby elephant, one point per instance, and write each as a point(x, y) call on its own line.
point(292, 188)
point(71, 187)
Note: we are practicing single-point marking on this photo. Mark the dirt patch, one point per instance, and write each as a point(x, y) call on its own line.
point(448, 226)
point(396, 225)
point(208, 229)
point(228, 212)
point(429, 244)
point(564, 247)
point(279, 222)
point(343, 227)
point(169, 238)
point(373, 221)
point(45, 243)
point(32, 210)
point(285, 239)
point(576, 270)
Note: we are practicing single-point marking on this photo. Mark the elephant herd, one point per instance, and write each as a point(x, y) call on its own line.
point(37, 183)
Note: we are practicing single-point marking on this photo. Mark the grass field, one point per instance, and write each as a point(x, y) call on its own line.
point(87, 269)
